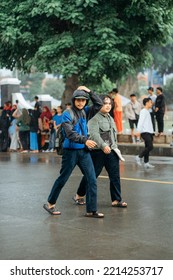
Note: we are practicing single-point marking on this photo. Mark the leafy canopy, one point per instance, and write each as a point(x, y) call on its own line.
point(163, 57)
point(88, 38)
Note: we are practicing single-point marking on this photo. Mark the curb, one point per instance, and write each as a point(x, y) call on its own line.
point(134, 149)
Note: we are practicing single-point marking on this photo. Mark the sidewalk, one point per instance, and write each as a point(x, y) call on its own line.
point(133, 149)
point(161, 145)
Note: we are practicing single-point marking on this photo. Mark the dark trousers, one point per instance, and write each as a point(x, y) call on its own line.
point(148, 140)
point(24, 139)
point(70, 159)
point(39, 140)
point(111, 164)
point(4, 140)
point(160, 122)
point(152, 114)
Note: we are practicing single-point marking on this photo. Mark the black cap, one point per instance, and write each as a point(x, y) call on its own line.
point(80, 94)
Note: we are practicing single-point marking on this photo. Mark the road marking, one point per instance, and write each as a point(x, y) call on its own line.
point(141, 180)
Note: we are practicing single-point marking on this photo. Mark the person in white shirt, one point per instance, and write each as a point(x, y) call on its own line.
point(152, 110)
point(145, 129)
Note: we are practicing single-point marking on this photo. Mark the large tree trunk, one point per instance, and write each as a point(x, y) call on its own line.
point(70, 86)
point(129, 86)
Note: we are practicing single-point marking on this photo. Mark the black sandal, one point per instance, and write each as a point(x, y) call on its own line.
point(120, 204)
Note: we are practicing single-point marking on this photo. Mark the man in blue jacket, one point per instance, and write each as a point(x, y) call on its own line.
point(75, 151)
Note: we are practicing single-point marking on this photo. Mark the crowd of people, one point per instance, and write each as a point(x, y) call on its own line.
point(133, 108)
point(90, 142)
point(28, 130)
point(31, 130)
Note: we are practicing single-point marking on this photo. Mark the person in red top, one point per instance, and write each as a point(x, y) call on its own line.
point(46, 113)
point(45, 117)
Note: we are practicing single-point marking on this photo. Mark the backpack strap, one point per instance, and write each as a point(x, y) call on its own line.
point(73, 115)
point(74, 118)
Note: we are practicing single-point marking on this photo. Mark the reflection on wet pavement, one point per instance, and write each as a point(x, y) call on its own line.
point(27, 231)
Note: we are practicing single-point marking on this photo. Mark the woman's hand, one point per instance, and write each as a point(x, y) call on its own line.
point(90, 144)
point(107, 150)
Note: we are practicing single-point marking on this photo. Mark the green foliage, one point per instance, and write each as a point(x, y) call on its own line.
point(106, 86)
point(163, 57)
point(89, 38)
point(168, 91)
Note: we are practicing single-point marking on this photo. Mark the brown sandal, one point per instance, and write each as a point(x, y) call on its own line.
point(79, 201)
point(94, 215)
point(52, 210)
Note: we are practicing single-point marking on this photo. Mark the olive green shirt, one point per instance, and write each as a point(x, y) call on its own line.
point(98, 126)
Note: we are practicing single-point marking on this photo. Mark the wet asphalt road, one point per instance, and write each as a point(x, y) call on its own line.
point(28, 232)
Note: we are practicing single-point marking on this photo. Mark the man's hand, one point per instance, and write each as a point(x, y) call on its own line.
point(90, 144)
point(84, 88)
point(107, 150)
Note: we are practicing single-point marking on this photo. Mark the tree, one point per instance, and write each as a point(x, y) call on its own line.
point(168, 92)
point(163, 57)
point(105, 86)
point(82, 39)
